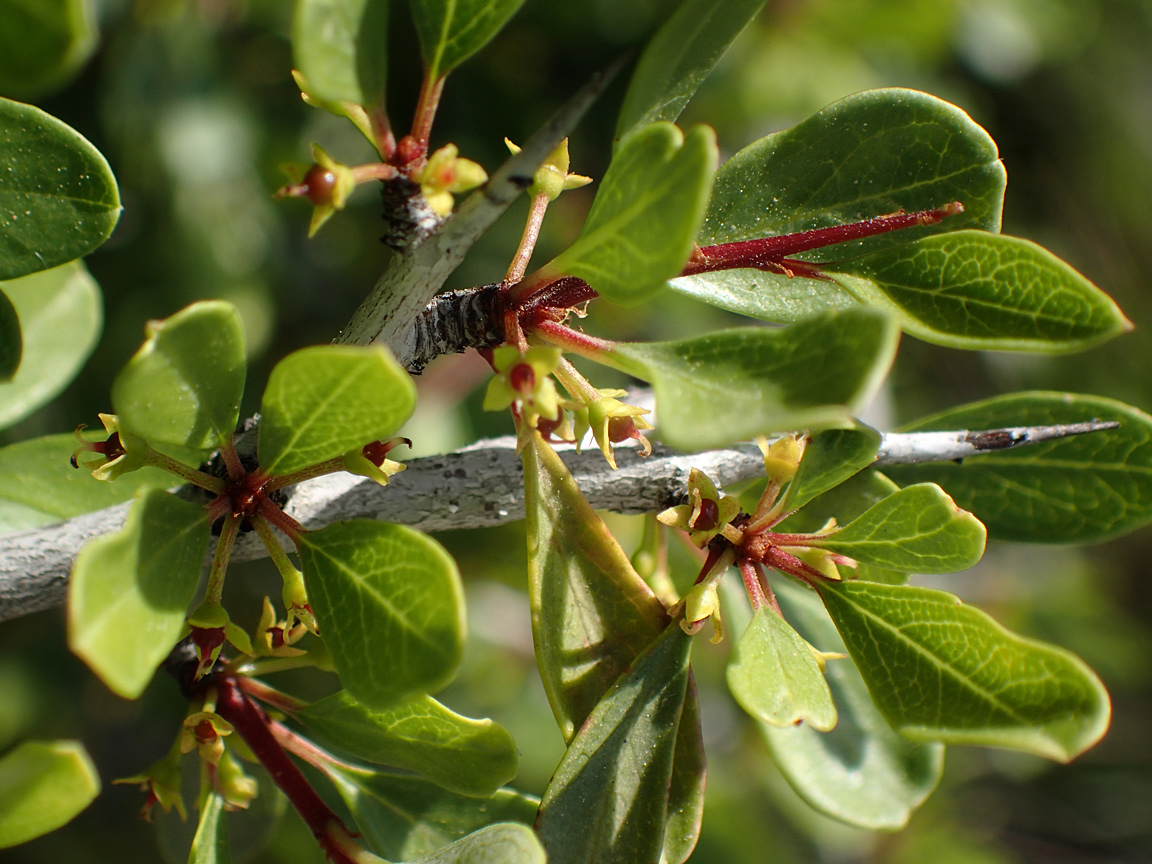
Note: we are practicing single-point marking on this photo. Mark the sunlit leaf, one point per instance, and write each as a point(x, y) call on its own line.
point(451, 31)
point(611, 788)
point(326, 401)
point(403, 817)
point(389, 602)
point(58, 198)
point(640, 229)
point(60, 319)
point(1079, 489)
point(715, 389)
point(679, 57)
point(943, 671)
point(42, 42)
point(131, 590)
point(918, 529)
point(471, 757)
point(43, 784)
point(830, 458)
point(341, 48)
point(183, 387)
point(503, 843)
point(767, 296)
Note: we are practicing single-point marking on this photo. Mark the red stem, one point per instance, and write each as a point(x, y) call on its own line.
point(270, 511)
point(426, 113)
point(232, 461)
point(571, 340)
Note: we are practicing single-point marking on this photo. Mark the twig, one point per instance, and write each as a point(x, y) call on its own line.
point(477, 487)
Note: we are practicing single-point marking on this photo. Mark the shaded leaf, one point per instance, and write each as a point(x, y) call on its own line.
point(504, 843)
point(471, 757)
point(973, 289)
point(679, 57)
point(610, 790)
point(862, 772)
point(42, 42)
point(686, 788)
point(389, 602)
point(451, 31)
point(341, 48)
point(403, 817)
point(943, 671)
point(43, 785)
point(183, 387)
point(11, 342)
point(641, 227)
point(326, 401)
point(1079, 489)
point(58, 198)
point(774, 676)
point(210, 845)
point(130, 590)
point(715, 389)
point(830, 458)
point(61, 319)
point(918, 529)
point(38, 486)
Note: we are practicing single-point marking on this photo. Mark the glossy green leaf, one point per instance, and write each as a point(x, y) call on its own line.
point(38, 485)
point(42, 42)
point(61, 317)
point(11, 342)
point(183, 387)
point(774, 676)
point(830, 458)
point(131, 590)
point(715, 389)
point(918, 529)
point(471, 757)
point(592, 616)
point(973, 289)
point(767, 296)
point(389, 602)
point(58, 198)
point(326, 401)
point(862, 772)
point(610, 790)
point(503, 843)
point(679, 57)
point(640, 229)
point(43, 785)
point(341, 49)
point(1080, 489)
point(210, 845)
point(943, 671)
point(451, 31)
point(403, 817)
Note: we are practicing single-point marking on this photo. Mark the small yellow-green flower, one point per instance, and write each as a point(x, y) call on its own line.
point(444, 173)
point(701, 603)
point(326, 183)
point(525, 379)
point(707, 514)
point(371, 461)
point(161, 780)
point(613, 422)
point(117, 454)
point(782, 457)
point(210, 627)
point(205, 731)
point(237, 788)
point(275, 638)
point(552, 177)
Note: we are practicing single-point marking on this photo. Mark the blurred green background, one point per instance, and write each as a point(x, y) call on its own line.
point(193, 105)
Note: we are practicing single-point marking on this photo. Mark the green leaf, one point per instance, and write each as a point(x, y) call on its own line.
point(326, 401)
point(975, 290)
point(686, 788)
point(341, 48)
point(389, 602)
point(58, 198)
point(640, 229)
point(874, 153)
point(61, 319)
point(471, 757)
point(918, 530)
point(830, 458)
point(767, 296)
point(723, 387)
point(774, 676)
point(403, 817)
point(610, 791)
point(43, 42)
point(183, 387)
point(210, 845)
point(451, 31)
point(11, 342)
point(38, 486)
point(1079, 489)
point(679, 57)
point(503, 843)
point(43, 785)
point(130, 590)
point(943, 671)
point(862, 772)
